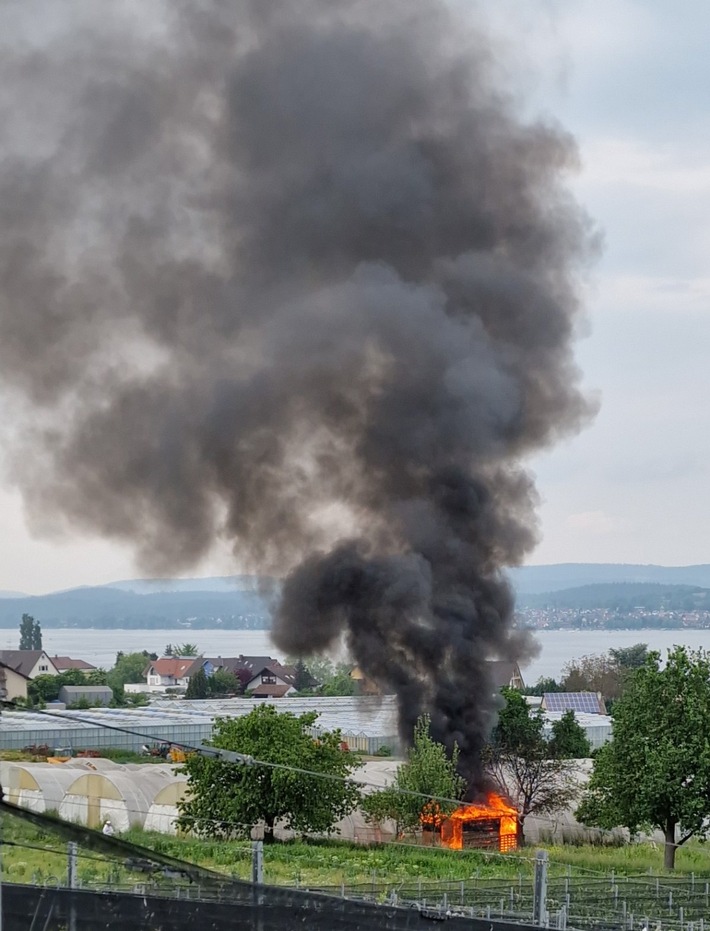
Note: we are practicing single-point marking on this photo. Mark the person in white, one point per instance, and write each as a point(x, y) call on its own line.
point(108, 827)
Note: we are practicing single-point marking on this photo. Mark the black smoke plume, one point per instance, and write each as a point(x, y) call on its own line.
point(292, 273)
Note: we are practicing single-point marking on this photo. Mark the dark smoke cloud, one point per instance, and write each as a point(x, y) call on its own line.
point(294, 274)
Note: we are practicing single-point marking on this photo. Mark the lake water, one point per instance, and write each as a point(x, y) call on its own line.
point(557, 647)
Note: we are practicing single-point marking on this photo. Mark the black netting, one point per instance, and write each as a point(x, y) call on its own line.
point(263, 909)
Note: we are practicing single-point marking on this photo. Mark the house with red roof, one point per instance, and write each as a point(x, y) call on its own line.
point(172, 672)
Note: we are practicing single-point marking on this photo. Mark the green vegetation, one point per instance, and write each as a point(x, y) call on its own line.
point(656, 770)
point(569, 740)
point(129, 668)
point(608, 673)
point(428, 771)
point(623, 598)
point(30, 633)
point(332, 862)
point(197, 687)
point(229, 799)
point(331, 678)
point(526, 766)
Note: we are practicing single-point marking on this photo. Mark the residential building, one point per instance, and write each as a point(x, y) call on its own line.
point(13, 684)
point(30, 663)
point(174, 672)
point(272, 681)
point(505, 674)
point(65, 663)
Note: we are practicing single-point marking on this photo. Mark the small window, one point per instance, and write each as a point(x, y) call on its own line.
point(268, 680)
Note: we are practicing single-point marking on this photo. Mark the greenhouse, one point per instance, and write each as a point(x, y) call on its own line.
point(90, 791)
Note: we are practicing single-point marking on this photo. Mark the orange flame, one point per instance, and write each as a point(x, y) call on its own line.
point(497, 819)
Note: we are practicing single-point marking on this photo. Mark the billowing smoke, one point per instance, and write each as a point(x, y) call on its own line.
point(296, 275)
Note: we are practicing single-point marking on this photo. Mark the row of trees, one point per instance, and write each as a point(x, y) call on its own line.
point(228, 799)
point(608, 673)
point(655, 772)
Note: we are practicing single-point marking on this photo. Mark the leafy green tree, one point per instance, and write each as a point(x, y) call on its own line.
point(607, 673)
point(633, 657)
point(26, 630)
point(46, 688)
point(197, 687)
point(544, 684)
point(223, 682)
point(186, 649)
point(30, 633)
point(340, 683)
point(130, 667)
point(655, 772)
point(303, 679)
point(569, 740)
point(169, 649)
point(229, 799)
point(521, 762)
point(428, 771)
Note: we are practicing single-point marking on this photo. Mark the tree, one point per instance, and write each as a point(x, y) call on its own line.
point(130, 667)
point(607, 673)
point(46, 688)
point(655, 772)
point(185, 649)
point(223, 682)
point(303, 679)
point(30, 633)
point(197, 687)
point(340, 683)
point(521, 762)
point(569, 740)
point(630, 658)
point(544, 684)
point(168, 651)
point(428, 771)
point(229, 799)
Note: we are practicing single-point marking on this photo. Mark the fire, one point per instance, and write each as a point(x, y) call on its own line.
point(492, 824)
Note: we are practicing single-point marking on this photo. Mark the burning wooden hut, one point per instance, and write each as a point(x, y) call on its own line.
point(491, 824)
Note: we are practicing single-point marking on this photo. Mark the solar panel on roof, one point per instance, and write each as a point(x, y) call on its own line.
point(583, 702)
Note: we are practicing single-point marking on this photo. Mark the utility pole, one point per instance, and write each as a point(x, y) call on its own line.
point(540, 889)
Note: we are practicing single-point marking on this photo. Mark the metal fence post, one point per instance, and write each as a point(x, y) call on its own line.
point(257, 878)
point(257, 862)
point(540, 888)
point(71, 881)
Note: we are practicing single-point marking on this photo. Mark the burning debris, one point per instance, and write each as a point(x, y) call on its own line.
point(294, 275)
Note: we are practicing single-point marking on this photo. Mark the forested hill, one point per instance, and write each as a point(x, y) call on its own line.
point(113, 607)
point(622, 597)
point(530, 580)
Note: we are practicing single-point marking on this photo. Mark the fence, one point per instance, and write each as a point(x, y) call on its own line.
point(587, 903)
point(242, 908)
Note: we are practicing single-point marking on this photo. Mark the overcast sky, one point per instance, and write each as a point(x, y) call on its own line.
point(629, 78)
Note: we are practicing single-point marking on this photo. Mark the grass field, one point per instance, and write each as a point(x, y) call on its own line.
point(38, 855)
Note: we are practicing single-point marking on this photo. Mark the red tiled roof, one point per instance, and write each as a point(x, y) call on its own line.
point(172, 667)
